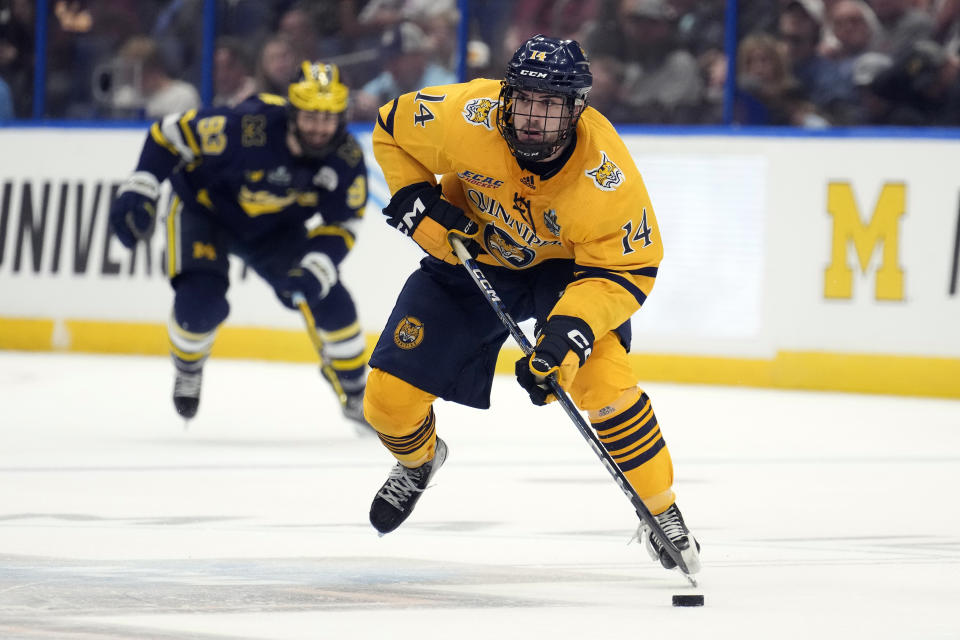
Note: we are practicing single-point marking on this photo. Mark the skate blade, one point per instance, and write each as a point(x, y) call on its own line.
point(690, 578)
point(691, 557)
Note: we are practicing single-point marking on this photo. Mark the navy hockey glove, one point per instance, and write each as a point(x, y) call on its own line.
point(134, 212)
point(419, 211)
point(313, 277)
point(564, 344)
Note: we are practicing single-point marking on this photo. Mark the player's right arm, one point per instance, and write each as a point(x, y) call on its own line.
point(408, 142)
point(181, 139)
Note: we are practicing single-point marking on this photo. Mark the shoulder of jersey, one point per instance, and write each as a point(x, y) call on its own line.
point(472, 105)
point(272, 106)
point(602, 155)
point(350, 151)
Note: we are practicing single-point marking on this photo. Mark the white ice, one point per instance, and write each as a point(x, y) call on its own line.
point(821, 515)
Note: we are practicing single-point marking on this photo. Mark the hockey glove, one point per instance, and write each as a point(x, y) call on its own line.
point(563, 346)
point(313, 277)
point(134, 212)
point(419, 211)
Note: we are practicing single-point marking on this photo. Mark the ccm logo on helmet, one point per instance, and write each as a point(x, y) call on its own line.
point(533, 74)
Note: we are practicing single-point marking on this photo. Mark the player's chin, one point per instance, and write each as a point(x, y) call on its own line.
point(317, 142)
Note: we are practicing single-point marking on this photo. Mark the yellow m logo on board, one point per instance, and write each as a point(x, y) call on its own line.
point(848, 227)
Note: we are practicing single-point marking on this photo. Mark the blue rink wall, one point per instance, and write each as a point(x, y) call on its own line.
point(792, 261)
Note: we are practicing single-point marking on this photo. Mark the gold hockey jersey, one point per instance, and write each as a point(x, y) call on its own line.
point(595, 210)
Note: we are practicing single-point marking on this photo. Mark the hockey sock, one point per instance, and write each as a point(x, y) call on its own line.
point(633, 439)
point(403, 417)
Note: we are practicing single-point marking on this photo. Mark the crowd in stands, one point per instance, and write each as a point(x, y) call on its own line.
point(807, 63)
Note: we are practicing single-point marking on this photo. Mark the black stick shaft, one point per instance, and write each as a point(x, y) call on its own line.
point(956, 258)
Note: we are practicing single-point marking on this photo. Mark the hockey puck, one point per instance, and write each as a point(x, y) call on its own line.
point(688, 601)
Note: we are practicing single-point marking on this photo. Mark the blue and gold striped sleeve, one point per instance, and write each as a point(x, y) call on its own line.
point(171, 140)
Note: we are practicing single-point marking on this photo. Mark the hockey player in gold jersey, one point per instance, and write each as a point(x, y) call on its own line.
point(543, 190)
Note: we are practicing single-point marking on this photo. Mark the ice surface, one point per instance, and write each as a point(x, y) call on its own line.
point(821, 515)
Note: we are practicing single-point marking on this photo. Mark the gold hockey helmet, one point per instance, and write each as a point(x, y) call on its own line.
point(318, 88)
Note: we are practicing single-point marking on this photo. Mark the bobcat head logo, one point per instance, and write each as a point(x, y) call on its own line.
point(506, 250)
point(409, 333)
point(498, 244)
point(477, 112)
point(607, 176)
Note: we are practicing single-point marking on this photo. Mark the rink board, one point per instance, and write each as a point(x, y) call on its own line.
point(817, 263)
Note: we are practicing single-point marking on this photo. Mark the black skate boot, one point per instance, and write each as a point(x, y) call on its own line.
point(399, 494)
point(186, 392)
point(672, 523)
point(352, 408)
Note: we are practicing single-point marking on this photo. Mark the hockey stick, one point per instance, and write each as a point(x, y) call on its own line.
point(571, 409)
point(325, 367)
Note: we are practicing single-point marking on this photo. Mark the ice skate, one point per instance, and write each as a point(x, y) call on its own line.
point(672, 523)
point(399, 494)
point(186, 392)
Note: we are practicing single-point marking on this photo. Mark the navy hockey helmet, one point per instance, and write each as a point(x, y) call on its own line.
point(530, 117)
point(318, 88)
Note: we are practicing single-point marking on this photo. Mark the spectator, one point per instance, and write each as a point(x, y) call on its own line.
point(383, 15)
point(901, 25)
point(763, 81)
point(405, 53)
point(298, 26)
point(853, 28)
point(922, 86)
point(178, 32)
point(247, 20)
point(607, 93)
point(561, 19)
point(333, 24)
point(440, 25)
point(662, 82)
point(479, 60)
point(6, 102)
point(232, 79)
point(159, 91)
point(277, 66)
point(437, 18)
point(700, 30)
point(946, 20)
point(16, 53)
point(801, 28)
point(700, 25)
point(758, 16)
point(873, 109)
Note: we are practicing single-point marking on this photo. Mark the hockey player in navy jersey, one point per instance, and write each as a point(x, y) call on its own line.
point(278, 182)
point(547, 194)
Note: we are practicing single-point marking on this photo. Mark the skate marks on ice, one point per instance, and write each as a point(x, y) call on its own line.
point(42, 597)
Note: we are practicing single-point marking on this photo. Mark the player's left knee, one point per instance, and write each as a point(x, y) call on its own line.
point(394, 407)
point(605, 377)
